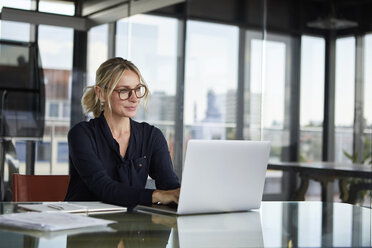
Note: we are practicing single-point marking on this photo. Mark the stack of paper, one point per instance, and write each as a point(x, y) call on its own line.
point(73, 207)
point(50, 221)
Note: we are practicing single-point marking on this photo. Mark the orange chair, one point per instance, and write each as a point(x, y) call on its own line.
point(39, 187)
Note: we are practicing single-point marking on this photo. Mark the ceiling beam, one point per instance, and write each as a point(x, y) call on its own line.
point(35, 17)
point(109, 15)
point(94, 6)
point(121, 11)
point(143, 6)
point(103, 13)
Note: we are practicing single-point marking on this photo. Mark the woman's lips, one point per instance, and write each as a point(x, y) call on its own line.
point(131, 108)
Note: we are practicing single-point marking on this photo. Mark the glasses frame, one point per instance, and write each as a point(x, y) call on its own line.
point(130, 92)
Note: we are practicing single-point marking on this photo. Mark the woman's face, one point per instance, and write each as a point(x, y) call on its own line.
point(125, 108)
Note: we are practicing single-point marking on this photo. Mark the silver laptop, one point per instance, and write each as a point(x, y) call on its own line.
point(220, 176)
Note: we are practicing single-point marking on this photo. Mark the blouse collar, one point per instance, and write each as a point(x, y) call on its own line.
point(110, 139)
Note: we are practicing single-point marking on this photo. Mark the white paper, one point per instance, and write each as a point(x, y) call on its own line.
point(73, 207)
point(59, 233)
point(44, 221)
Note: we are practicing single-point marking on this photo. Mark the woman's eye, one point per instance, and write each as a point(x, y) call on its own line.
point(123, 91)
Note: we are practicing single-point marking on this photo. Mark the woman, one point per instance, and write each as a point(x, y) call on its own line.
point(112, 155)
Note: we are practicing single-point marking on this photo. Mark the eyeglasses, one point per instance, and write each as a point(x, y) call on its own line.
point(125, 93)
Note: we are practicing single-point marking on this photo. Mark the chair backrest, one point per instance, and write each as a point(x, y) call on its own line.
point(39, 187)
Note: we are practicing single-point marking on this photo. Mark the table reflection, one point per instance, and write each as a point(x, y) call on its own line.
point(276, 224)
point(220, 230)
point(131, 230)
point(153, 230)
point(315, 224)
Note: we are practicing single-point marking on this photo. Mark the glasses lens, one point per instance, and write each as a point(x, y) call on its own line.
point(123, 94)
point(140, 91)
point(126, 93)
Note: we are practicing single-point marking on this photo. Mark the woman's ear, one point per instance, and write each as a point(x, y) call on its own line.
point(99, 93)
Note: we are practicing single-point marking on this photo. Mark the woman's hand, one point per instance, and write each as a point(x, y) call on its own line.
point(166, 196)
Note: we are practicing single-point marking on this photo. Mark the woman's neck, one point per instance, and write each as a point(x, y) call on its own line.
point(118, 125)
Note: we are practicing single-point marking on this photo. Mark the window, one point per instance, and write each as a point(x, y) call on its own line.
point(273, 95)
point(267, 85)
point(253, 86)
point(367, 98)
point(55, 44)
point(210, 81)
point(57, 7)
point(20, 147)
point(18, 4)
point(265, 96)
point(97, 41)
point(312, 98)
point(150, 43)
point(56, 48)
point(53, 110)
point(344, 105)
point(43, 151)
point(66, 110)
point(15, 31)
point(62, 152)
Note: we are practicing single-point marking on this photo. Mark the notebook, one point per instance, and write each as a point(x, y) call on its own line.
point(220, 176)
point(73, 207)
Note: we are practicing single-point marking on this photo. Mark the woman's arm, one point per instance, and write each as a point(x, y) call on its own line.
point(167, 182)
point(161, 168)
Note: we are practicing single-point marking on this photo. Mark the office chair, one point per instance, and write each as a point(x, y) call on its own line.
point(39, 187)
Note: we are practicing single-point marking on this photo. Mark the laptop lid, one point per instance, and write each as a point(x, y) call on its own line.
point(221, 176)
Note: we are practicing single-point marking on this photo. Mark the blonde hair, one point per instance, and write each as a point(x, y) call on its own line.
point(107, 77)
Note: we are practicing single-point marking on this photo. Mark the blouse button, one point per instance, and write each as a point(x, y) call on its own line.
point(140, 165)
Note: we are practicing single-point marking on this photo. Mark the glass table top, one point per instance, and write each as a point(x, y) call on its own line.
point(275, 224)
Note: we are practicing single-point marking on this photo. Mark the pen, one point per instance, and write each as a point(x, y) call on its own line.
point(55, 207)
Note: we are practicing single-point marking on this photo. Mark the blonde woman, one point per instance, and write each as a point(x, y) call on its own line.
point(111, 156)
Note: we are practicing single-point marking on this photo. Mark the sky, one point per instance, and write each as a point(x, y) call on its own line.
point(312, 80)
point(211, 64)
point(345, 80)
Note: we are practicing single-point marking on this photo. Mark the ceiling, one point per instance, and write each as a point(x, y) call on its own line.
point(342, 17)
point(288, 16)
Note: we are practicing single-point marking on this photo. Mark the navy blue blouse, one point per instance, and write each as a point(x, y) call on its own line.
point(99, 173)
